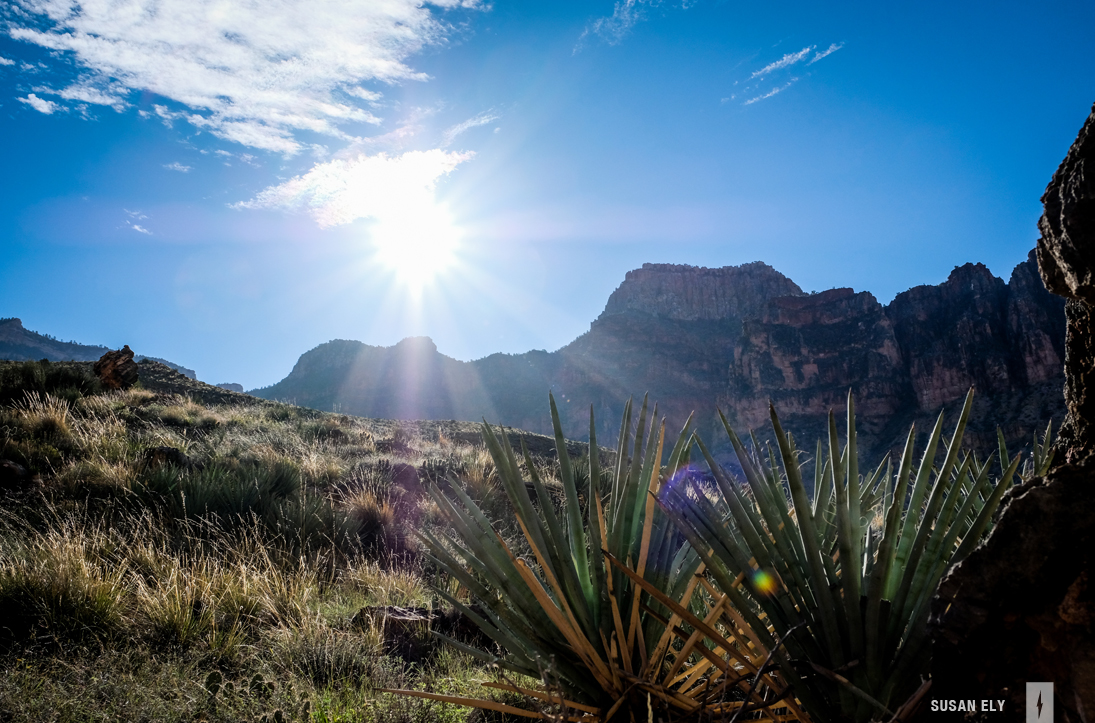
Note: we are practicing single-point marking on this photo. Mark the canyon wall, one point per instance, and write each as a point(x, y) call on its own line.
point(735, 338)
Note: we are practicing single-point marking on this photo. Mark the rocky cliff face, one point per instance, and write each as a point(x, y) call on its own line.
point(803, 355)
point(955, 336)
point(737, 337)
point(906, 361)
point(690, 293)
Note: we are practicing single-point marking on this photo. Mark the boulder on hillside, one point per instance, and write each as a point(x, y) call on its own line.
point(13, 477)
point(157, 457)
point(116, 369)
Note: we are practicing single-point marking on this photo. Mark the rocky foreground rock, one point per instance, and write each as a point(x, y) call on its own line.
point(1021, 608)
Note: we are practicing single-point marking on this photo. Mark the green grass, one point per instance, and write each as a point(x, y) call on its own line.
point(126, 581)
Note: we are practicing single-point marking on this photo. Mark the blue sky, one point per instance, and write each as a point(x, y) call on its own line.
point(229, 184)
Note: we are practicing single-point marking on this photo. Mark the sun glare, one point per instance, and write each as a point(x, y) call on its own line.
point(417, 244)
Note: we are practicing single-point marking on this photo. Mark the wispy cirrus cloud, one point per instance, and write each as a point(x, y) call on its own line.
point(176, 166)
point(784, 62)
point(363, 186)
point(755, 88)
point(136, 216)
point(826, 53)
point(772, 92)
point(6, 61)
point(626, 14)
point(245, 72)
point(481, 119)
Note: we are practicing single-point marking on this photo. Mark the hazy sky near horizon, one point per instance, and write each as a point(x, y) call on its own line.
point(227, 184)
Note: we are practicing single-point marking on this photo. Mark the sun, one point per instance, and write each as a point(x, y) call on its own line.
point(417, 242)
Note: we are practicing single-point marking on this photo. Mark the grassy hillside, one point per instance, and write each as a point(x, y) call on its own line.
point(180, 552)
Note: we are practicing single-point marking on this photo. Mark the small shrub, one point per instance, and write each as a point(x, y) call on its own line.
point(378, 529)
point(325, 656)
point(66, 381)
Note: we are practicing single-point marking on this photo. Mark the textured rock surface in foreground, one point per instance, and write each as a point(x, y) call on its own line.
point(1022, 606)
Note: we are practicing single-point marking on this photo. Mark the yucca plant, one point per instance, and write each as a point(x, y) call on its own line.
point(857, 563)
point(608, 600)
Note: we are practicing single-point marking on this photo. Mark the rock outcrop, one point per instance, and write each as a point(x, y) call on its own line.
point(1066, 256)
point(690, 293)
point(906, 361)
point(116, 369)
point(1022, 606)
point(805, 352)
point(956, 336)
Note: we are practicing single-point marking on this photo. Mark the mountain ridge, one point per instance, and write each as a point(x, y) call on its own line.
point(735, 337)
point(18, 343)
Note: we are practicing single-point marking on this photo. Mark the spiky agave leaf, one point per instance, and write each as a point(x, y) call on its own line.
point(613, 602)
point(863, 592)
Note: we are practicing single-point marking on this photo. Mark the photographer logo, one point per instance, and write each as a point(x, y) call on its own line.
point(1039, 702)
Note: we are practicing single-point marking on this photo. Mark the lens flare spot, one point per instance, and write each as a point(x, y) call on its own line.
point(764, 582)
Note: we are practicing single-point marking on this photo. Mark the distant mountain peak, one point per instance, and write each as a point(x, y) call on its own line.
point(691, 293)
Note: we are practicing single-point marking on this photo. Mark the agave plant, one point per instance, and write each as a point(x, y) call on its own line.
point(857, 561)
point(610, 599)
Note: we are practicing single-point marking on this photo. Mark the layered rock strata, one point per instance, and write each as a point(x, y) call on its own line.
point(737, 337)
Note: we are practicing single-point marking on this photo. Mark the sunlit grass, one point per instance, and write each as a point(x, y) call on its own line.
point(272, 551)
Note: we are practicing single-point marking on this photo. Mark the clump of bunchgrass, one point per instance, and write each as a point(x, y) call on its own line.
point(64, 381)
point(58, 586)
point(182, 412)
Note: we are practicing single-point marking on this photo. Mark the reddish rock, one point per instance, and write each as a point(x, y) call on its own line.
point(116, 369)
point(955, 336)
point(737, 336)
point(157, 457)
point(690, 293)
point(1036, 325)
point(1021, 608)
point(807, 351)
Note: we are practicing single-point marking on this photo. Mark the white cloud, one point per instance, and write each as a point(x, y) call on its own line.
point(826, 53)
point(139, 229)
point(370, 95)
point(480, 120)
point(85, 93)
point(176, 166)
point(6, 61)
point(248, 72)
point(342, 191)
point(39, 104)
point(626, 14)
point(785, 61)
point(772, 92)
point(615, 27)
